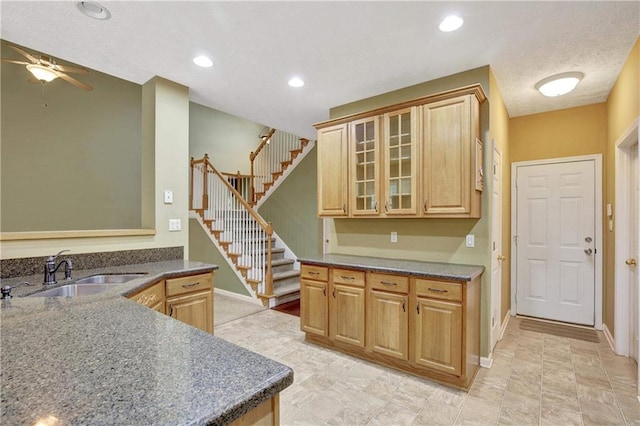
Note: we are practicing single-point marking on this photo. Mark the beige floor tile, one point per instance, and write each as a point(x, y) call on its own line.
point(448, 396)
point(478, 411)
point(317, 382)
point(322, 407)
point(298, 417)
point(366, 404)
point(587, 395)
point(413, 401)
point(630, 408)
point(554, 415)
point(380, 389)
point(566, 400)
point(523, 386)
point(349, 417)
point(393, 414)
point(598, 413)
point(436, 414)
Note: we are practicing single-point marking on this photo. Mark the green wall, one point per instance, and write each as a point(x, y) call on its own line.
point(292, 209)
point(227, 139)
point(201, 249)
point(74, 164)
point(440, 240)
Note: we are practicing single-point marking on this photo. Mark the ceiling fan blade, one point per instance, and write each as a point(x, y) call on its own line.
point(69, 68)
point(23, 53)
point(15, 62)
point(75, 82)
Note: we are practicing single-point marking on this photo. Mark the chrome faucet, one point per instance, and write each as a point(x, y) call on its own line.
point(50, 268)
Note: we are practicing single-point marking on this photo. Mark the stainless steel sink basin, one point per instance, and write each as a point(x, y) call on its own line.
point(108, 279)
point(72, 290)
point(89, 285)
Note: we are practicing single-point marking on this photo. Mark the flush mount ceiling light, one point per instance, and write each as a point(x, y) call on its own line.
point(296, 82)
point(42, 73)
point(450, 23)
point(559, 84)
point(203, 61)
point(93, 10)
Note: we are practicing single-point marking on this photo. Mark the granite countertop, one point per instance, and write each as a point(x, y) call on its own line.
point(104, 359)
point(445, 271)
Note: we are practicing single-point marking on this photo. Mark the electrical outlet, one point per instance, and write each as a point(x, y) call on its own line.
point(175, 224)
point(471, 240)
point(168, 197)
point(394, 237)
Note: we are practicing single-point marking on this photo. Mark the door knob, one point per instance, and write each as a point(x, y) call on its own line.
point(631, 262)
point(501, 258)
point(588, 251)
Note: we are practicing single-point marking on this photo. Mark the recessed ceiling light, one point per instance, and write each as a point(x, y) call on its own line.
point(559, 84)
point(451, 23)
point(203, 62)
point(296, 82)
point(93, 10)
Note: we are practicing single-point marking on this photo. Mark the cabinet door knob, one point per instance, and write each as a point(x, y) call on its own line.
point(425, 206)
point(403, 305)
point(344, 208)
point(334, 293)
point(418, 307)
point(170, 310)
point(324, 291)
point(501, 258)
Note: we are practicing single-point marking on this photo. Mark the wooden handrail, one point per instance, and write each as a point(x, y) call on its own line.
point(252, 157)
point(265, 140)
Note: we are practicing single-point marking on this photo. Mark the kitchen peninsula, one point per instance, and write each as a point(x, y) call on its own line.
point(104, 359)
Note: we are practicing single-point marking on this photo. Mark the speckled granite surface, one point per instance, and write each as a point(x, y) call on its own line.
point(445, 271)
point(104, 359)
point(10, 268)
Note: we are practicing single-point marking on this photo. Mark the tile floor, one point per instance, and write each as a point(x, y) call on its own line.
point(535, 379)
point(228, 308)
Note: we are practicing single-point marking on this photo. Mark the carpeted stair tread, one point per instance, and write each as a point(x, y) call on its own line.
point(286, 274)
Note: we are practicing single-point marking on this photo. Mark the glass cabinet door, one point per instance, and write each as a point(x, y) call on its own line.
point(364, 173)
point(400, 162)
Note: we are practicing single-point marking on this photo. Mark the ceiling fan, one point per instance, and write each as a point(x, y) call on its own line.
point(45, 69)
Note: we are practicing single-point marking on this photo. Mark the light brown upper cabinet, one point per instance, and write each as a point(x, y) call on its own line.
point(365, 157)
point(449, 130)
point(400, 162)
point(414, 159)
point(332, 171)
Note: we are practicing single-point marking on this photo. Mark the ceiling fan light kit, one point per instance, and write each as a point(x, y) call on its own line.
point(559, 84)
point(42, 73)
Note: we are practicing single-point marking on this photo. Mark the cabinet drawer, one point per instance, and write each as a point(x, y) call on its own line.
point(151, 296)
point(318, 273)
point(346, 276)
point(188, 284)
point(387, 282)
point(439, 289)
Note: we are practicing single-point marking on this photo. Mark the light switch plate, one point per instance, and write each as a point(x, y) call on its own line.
point(175, 224)
point(394, 237)
point(471, 240)
point(168, 197)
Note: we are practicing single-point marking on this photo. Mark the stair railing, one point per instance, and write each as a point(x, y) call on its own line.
point(267, 160)
point(246, 235)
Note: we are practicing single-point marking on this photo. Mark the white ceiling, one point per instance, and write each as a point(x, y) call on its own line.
point(345, 51)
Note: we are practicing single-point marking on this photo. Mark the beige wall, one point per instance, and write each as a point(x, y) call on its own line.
point(69, 165)
point(423, 239)
point(499, 134)
point(166, 122)
point(623, 107)
point(226, 138)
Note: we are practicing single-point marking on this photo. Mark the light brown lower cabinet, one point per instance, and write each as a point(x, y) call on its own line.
point(427, 327)
point(188, 299)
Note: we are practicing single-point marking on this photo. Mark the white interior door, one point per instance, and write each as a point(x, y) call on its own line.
point(633, 250)
point(555, 235)
point(496, 246)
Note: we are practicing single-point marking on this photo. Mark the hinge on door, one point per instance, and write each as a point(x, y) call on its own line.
point(515, 239)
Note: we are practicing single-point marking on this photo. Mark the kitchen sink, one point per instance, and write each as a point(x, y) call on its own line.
point(72, 290)
point(108, 279)
point(89, 285)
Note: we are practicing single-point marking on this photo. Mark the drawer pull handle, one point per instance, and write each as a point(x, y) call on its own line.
point(190, 285)
point(313, 273)
point(334, 293)
point(418, 307)
point(324, 291)
point(388, 283)
point(170, 310)
point(344, 277)
point(438, 290)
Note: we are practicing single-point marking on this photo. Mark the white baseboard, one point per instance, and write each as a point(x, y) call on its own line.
point(237, 296)
point(486, 362)
point(505, 322)
point(610, 339)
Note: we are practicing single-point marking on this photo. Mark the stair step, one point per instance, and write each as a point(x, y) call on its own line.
point(286, 289)
point(281, 265)
point(281, 276)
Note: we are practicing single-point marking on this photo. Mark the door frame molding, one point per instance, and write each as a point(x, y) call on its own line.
point(597, 159)
point(622, 218)
point(497, 329)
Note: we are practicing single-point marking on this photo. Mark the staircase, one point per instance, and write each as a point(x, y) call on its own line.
point(271, 161)
point(260, 258)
